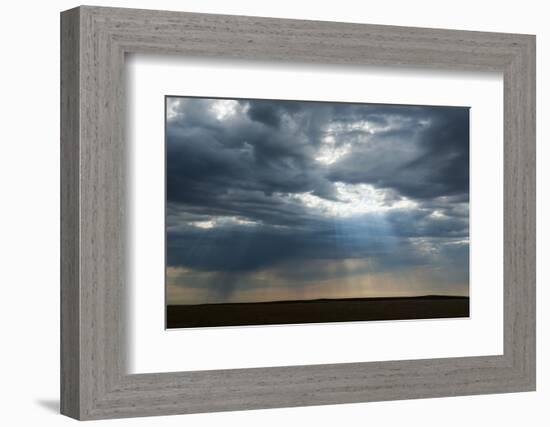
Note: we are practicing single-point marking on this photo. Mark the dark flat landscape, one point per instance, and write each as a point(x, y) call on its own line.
point(317, 311)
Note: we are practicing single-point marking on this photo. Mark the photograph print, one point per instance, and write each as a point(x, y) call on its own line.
point(290, 212)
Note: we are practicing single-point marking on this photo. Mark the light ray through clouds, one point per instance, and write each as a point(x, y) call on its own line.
point(284, 200)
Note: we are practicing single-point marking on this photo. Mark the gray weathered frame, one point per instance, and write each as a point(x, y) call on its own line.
point(94, 41)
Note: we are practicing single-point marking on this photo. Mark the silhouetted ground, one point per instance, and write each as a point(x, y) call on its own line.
point(316, 311)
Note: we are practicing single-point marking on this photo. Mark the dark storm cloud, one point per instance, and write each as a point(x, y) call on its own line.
point(207, 157)
point(421, 152)
point(268, 113)
point(234, 247)
point(252, 164)
point(423, 155)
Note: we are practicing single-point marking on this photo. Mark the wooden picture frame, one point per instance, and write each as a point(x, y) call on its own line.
point(94, 381)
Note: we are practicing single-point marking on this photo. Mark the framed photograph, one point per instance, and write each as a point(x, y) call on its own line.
point(338, 212)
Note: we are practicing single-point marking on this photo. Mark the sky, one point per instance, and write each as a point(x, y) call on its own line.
point(272, 200)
